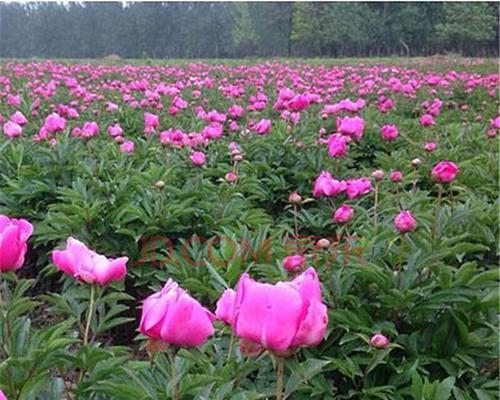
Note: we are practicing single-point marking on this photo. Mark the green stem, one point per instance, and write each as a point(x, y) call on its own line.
point(296, 226)
point(171, 356)
point(89, 316)
point(280, 364)
point(375, 206)
point(230, 350)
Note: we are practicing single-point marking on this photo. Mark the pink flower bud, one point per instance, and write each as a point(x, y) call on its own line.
point(343, 214)
point(405, 222)
point(294, 198)
point(231, 177)
point(323, 243)
point(396, 176)
point(378, 175)
point(294, 262)
point(379, 341)
point(444, 172)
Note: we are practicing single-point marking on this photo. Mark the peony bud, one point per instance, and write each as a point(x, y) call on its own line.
point(379, 341)
point(323, 243)
point(294, 262)
point(159, 184)
point(343, 214)
point(378, 175)
point(294, 198)
point(396, 176)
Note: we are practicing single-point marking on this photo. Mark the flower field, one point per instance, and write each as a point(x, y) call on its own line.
point(242, 230)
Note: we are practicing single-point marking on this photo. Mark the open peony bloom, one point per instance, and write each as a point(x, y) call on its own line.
point(326, 185)
point(427, 120)
point(14, 234)
point(87, 266)
point(127, 147)
point(278, 317)
point(225, 307)
point(444, 172)
point(358, 187)
point(405, 222)
point(352, 127)
point(389, 132)
point(18, 118)
point(262, 127)
point(174, 317)
point(198, 158)
point(11, 129)
point(337, 145)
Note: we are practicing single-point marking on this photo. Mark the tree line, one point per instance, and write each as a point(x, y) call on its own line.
point(247, 29)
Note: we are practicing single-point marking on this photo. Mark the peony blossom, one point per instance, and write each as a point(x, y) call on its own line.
point(172, 316)
point(427, 120)
point(337, 145)
point(85, 265)
point(225, 306)
point(262, 127)
point(444, 172)
point(396, 176)
point(19, 118)
point(389, 132)
point(294, 198)
point(343, 214)
point(294, 262)
point(12, 130)
point(127, 147)
point(198, 158)
point(279, 317)
point(326, 185)
point(14, 233)
point(352, 127)
point(405, 222)
point(358, 187)
point(379, 341)
point(430, 146)
point(231, 177)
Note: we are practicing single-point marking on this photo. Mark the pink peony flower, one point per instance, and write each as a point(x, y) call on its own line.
point(405, 222)
point(14, 233)
point(18, 118)
point(326, 185)
point(262, 127)
point(282, 316)
point(352, 127)
point(12, 130)
point(389, 132)
point(198, 158)
point(343, 214)
point(427, 120)
point(444, 172)
point(87, 266)
point(396, 176)
point(337, 145)
point(379, 341)
point(127, 147)
point(294, 262)
point(172, 316)
point(358, 187)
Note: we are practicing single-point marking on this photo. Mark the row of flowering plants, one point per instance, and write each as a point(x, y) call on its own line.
point(249, 231)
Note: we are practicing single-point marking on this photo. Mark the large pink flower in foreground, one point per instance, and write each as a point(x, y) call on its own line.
point(87, 266)
point(174, 317)
point(14, 234)
point(277, 317)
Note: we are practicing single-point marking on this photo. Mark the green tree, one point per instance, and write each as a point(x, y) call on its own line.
point(467, 25)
